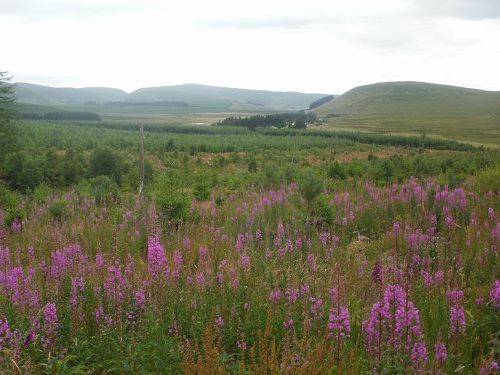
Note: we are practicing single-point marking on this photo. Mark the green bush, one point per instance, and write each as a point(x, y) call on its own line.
point(487, 180)
point(58, 209)
point(310, 185)
point(172, 201)
point(102, 186)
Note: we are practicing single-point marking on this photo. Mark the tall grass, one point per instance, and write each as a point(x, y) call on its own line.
point(252, 283)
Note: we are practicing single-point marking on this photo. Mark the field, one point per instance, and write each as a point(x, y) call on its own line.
point(274, 251)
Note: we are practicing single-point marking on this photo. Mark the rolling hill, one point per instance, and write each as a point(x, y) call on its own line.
point(45, 95)
point(193, 94)
point(415, 107)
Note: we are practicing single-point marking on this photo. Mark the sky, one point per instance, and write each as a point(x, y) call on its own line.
point(311, 46)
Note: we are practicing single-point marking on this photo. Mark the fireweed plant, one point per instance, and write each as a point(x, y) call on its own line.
point(255, 283)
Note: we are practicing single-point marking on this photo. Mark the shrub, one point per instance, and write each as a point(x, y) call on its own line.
point(102, 186)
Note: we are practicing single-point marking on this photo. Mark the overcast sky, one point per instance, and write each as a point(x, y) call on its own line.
point(312, 46)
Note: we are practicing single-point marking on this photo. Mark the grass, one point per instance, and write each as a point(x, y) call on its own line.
point(137, 293)
point(413, 108)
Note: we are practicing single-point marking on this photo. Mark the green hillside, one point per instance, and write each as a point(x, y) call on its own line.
point(415, 107)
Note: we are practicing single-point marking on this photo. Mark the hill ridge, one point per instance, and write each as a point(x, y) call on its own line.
point(414, 107)
point(191, 93)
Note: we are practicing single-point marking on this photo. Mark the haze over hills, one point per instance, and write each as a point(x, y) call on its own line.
point(192, 94)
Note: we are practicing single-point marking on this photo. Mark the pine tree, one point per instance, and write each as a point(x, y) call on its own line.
point(7, 114)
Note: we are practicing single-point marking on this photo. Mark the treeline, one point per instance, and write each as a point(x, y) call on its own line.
point(63, 115)
point(321, 101)
point(65, 154)
point(453, 169)
point(165, 128)
point(297, 120)
point(149, 104)
point(283, 133)
point(28, 168)
point(381, 139)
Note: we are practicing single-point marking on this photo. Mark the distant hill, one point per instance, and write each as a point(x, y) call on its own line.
point(413, 97)
point(417, 107)
point(44, 95)
point(193, 94)
point(199, 95)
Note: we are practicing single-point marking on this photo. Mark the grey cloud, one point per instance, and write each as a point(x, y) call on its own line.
point(364, 30)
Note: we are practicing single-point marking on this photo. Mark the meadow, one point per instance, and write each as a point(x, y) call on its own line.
point(266, 252)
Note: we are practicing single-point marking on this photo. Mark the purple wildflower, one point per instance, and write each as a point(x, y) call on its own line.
point(5, 332)
point(377, 272)
point(29, 338)
point(275, 295)
point(157, 262)
point(495, 294)
point(288, 324)
point(393, 322)
point(339, 324)
point(292, 294)
point(219, 322)
point(419, 355)
point(51, 323)
point(440, 353)
point(457, 316)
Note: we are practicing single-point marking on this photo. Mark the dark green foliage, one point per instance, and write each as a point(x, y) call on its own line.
point(52, 167)
point(169, 146)
point(107, 163)
point(24, 171)
point(58, 209)
point(310, 186)
point(336, 170)
point(272, 176)
point(192, 150)
point(455, 179)
point(171, 200)
point(321, 101)
point(102, 186)
point(252, 165)
point(149, 104)
point(299, 124)
point(280, 120)
point(7, 197)
point(7, 130)
point(120, 136)
point(31, 175)
point(322, 209)
point(384, 170)
point(68, 152)
point(202, 187)
point(290, 173)
point(63, 115)
point(356, 168)
point(487, 180)
point(11, 214)
point(72, 168)
point(7, 97)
